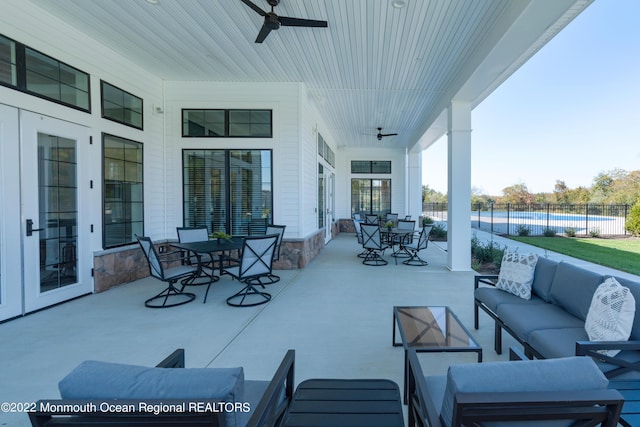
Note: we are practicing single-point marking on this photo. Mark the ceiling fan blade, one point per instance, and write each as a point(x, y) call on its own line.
point(388, 134)
point(299, 22)
point(264, 32)
point(254, 7)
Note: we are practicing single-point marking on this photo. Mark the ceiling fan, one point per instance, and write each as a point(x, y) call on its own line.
point(381, 135)
point(273, 21)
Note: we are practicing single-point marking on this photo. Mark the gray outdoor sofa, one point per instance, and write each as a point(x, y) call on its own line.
point(99, 394)
point(552, 323)
point(564, 392)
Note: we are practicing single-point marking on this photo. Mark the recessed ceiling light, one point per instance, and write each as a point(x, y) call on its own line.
point(398, 4)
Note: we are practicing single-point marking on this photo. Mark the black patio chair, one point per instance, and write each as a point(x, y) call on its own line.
point(255, 261)
point(414, 248)
point(272, 278)
point(372, 243)
point(171, 296)
point(357, 225)
point(198, 234)
point(371, 219)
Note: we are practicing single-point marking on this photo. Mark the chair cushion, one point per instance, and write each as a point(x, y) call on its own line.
point(573, 287)
point(543, 278)
point(611, 314)
point(101, 380)
point(516, 273)
point(565, 374)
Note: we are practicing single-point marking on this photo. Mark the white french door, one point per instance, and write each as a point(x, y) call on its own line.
point(329, 199)
point(10, 254)
point(55, 208)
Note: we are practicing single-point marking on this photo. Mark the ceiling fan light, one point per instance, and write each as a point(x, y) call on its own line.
point(398, 4)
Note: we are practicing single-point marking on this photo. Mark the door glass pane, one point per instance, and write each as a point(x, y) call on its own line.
point(320, 196)
point(58, 211)
point(204, 196)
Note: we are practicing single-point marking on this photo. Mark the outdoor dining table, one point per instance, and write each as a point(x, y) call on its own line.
point(391, 234)
point(211, 247)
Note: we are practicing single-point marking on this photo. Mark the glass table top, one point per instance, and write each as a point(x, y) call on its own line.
point(435, 328)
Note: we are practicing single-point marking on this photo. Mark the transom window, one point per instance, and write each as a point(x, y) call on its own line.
point(370, 166)
point(33, 72)
point(227, 123)
point(121, 106)
point(123, 207)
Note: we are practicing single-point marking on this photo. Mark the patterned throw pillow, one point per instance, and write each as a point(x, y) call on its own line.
point(611, 314)
point(516, 273)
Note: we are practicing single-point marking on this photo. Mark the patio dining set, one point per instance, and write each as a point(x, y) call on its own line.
point(248, 259)
point(398, 235)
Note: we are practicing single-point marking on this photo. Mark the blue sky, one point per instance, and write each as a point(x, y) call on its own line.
point(569, 113)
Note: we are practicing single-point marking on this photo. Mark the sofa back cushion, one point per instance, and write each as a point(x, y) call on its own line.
point(563, 374)
point(543, 278)
point(573, 288)
point(634, 287)
point(101, 380)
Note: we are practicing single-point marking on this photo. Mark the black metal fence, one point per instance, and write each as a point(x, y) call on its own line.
point(542, 218)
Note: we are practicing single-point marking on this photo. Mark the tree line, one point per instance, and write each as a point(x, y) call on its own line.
point(616, 186)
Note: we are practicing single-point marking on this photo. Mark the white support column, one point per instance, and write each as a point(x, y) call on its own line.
point(459, 186)
point(414, 185)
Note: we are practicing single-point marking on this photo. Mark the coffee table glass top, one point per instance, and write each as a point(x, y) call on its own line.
point(435, 328)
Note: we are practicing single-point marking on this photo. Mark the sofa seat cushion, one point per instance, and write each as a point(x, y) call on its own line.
point(522, 319)
point(101, 380)
point(565, 374)
point(573, 288)
point(493, 297)
point(543, 278)
point(557, 342)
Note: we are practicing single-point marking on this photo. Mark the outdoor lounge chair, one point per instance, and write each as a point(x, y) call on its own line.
point(505, 393)
point(256, 261)
point(109, 386)
point(171, 296)
point(414, 247)
point(372, 243)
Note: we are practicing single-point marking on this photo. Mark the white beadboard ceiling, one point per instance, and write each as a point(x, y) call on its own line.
point(373, 66)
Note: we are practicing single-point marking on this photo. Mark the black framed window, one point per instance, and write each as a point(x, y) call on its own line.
point(29, 71)
point(123, 202)
point(371, 166)
point(8, 68)
point(227, 190)
point(121, 106)
point(49, 78)
point(371, 196)
point(227, 123)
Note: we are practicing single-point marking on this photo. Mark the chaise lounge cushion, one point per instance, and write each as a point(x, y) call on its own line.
point(101, 380)
point(573, 287)
point(565, 374)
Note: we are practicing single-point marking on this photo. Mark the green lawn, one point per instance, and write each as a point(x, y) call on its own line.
point(620, 254)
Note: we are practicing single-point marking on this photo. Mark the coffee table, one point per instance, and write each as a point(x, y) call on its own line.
point(431, 329)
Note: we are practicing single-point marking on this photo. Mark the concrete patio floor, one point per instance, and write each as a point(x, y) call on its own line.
point(336, 313)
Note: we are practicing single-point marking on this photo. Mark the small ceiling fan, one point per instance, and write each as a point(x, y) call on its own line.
point(381, 135)
point(273, 21)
